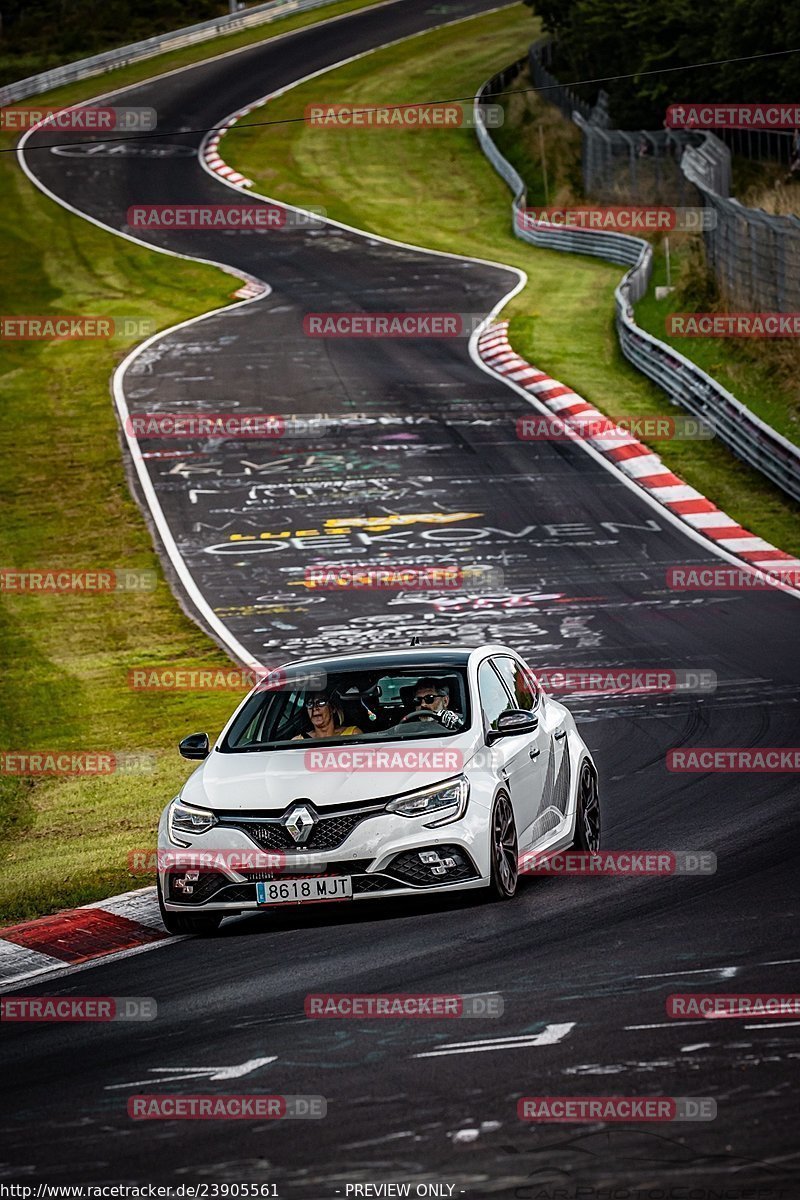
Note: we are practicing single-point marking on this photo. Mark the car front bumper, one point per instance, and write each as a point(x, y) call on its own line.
point(381, 856)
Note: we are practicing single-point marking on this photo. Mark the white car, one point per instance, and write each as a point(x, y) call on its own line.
point(380, 774)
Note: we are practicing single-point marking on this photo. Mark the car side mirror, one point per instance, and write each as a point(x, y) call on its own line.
point(195, 746)
point(512, 723)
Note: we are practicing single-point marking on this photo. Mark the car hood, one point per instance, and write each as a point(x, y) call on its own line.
point(273, 779)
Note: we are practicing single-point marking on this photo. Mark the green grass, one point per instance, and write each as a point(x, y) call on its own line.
point(436, 189)
point(64, 658)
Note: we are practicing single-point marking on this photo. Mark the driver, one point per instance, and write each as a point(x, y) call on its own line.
point(434, 697)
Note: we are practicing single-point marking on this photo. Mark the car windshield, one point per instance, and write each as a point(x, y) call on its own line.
point(379, 705)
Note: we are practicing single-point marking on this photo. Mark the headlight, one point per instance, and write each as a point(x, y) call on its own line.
point(183, 818)
point(447, 801)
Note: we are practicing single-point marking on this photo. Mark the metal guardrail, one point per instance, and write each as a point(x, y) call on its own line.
point(707, 164)
point(750, 438)
point(111, 60)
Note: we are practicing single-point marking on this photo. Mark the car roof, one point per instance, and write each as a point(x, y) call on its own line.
point(415, 656)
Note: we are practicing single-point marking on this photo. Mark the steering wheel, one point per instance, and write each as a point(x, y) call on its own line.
point(420, 714)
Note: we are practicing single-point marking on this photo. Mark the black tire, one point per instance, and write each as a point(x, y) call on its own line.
point(200, 924)
point(504, 850)
point(587, 816)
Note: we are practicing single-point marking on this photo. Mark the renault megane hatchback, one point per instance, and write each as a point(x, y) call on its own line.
point(391, 773)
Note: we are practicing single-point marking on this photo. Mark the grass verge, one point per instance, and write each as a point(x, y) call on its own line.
point(65, 658)
point(436, 189)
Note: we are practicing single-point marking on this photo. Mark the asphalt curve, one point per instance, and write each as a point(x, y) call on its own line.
point(583, 561)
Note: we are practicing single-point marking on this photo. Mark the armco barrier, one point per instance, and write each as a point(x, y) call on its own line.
point(755, 442)
point(111, 60)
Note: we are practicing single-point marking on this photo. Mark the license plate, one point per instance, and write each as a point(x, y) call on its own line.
point(300, 891)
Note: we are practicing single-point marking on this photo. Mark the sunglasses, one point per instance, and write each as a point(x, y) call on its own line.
point(429, 699)
point(317, 704)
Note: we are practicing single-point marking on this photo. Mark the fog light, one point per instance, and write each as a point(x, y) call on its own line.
point(436, 864)
point(185, 883)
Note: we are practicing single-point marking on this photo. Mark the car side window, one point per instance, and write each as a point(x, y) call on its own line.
point(493, 695)
point(519, 681)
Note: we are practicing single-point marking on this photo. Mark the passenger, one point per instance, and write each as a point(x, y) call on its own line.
point(327, 718)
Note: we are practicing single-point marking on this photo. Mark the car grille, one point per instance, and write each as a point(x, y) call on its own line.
point(346, 867)
point(238, 893)
point(327, 834)
point(362, 884)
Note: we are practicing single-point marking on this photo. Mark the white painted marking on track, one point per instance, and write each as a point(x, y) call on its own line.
point(549, 1036)
point(667, 1024)
point(723, 972)
point(773, 1025)
point(234, 1072)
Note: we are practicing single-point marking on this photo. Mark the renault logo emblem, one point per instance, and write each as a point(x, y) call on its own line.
point(299, 820)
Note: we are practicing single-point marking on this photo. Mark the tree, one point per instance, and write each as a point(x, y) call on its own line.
point(620, 38)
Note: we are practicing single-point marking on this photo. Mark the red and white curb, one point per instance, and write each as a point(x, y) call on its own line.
point(251, 289)
point(210, 154)
point(633, 458)
point(79, 935)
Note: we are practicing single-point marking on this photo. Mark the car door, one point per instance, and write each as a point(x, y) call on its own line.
point(553, 729)
point(521, 760)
